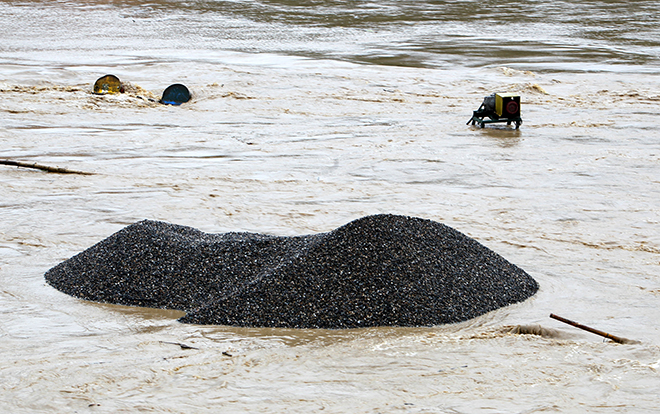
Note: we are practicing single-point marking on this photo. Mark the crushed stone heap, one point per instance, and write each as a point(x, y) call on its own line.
point(381, 270)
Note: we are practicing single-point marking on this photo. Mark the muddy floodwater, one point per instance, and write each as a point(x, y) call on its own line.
point(306, 116)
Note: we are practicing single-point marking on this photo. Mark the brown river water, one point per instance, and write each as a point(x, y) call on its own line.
point(305, 116)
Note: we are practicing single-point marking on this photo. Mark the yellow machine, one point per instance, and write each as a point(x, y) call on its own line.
point(498, 107)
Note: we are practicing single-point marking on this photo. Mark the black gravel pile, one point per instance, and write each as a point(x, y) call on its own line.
point(381, 270)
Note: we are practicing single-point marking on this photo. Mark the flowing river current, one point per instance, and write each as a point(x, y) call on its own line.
point(308, 115)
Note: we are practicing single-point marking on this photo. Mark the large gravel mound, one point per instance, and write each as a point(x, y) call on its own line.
point(382, 270)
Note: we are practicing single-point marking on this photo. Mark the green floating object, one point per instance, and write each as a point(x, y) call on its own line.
point(175, 95)
point(108, 84)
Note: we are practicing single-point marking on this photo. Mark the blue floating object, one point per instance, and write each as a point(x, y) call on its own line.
point(175, 95)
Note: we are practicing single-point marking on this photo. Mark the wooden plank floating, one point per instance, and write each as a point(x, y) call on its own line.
point(43, 167)
point(616, 339)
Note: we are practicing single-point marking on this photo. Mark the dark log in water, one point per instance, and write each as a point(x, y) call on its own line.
point(614, 338)
point(47, 168)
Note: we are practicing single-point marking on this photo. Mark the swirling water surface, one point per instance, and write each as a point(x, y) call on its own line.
point(307, 115)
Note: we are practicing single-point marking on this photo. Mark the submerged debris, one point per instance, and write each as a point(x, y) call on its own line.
point(382, 270)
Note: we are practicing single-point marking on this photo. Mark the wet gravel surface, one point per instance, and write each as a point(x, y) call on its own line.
point(382, 270)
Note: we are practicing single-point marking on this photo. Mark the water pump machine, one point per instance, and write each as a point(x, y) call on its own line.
point(498, 107)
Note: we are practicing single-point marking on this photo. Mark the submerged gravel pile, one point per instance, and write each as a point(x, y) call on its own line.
point(382, 270)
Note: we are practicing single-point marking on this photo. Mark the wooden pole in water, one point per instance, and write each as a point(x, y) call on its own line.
point(43, 167)
point(592, 330)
